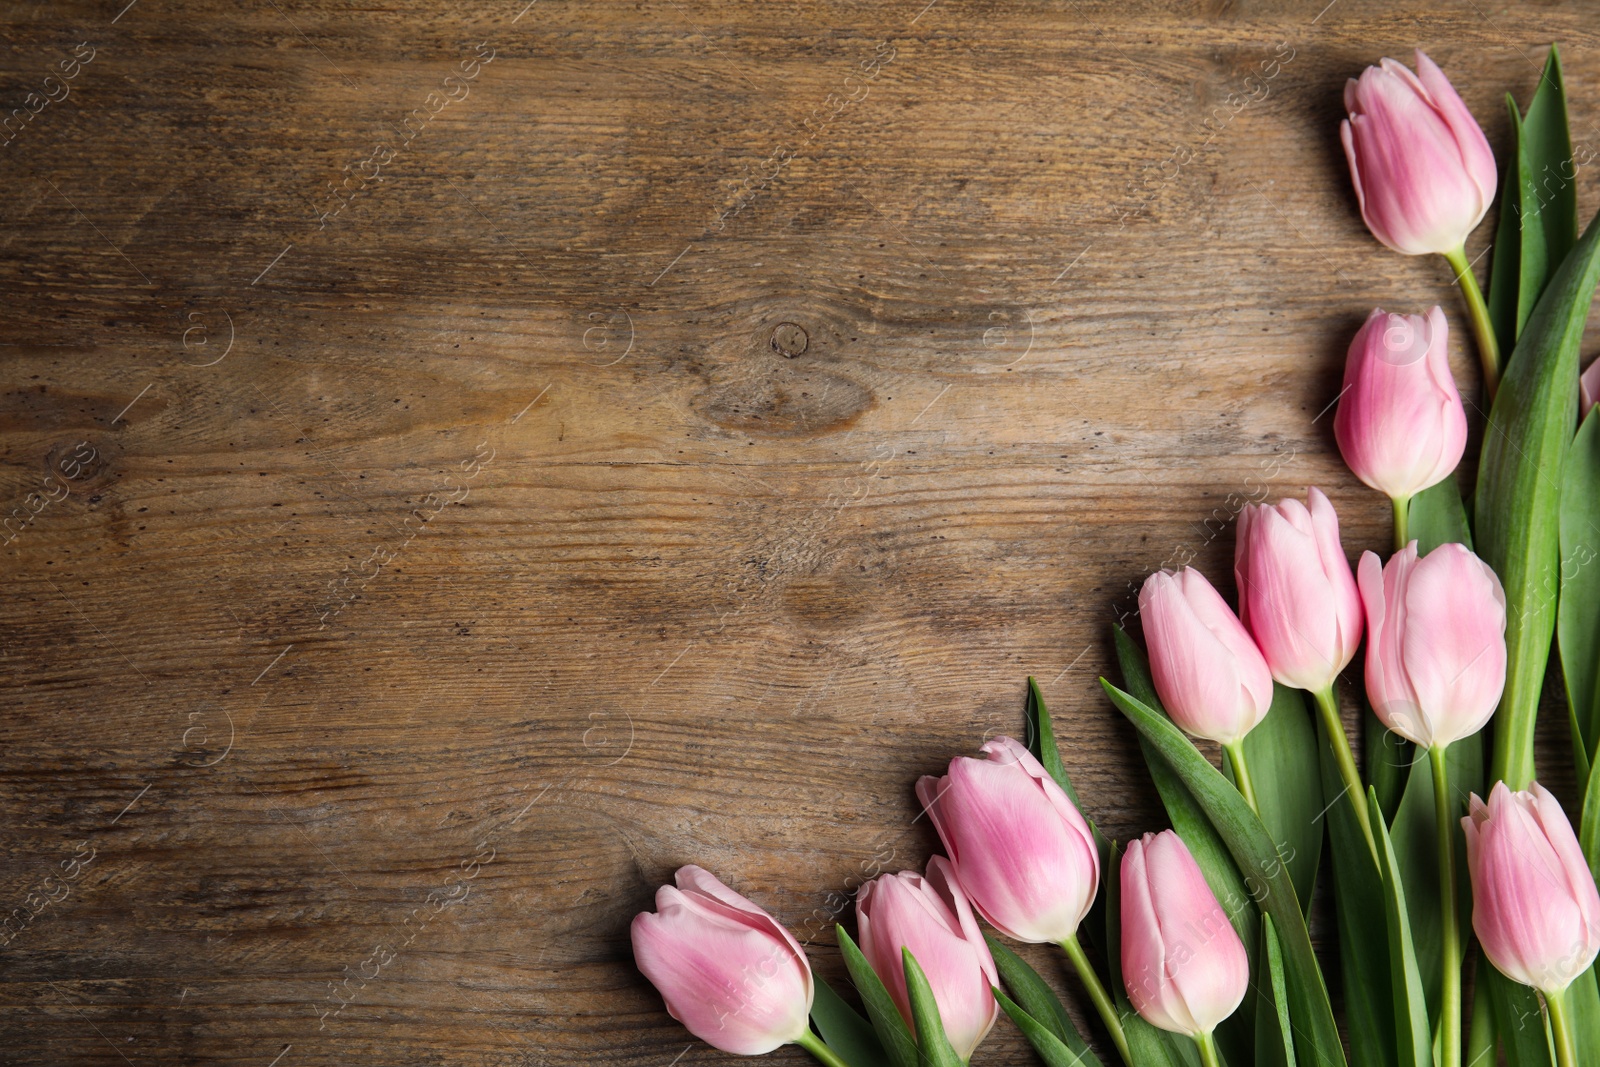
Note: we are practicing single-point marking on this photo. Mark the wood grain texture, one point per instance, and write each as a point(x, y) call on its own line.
point(566, 441)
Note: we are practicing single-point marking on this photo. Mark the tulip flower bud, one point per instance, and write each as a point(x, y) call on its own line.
point(1436, 642)
point(1588, 390)
point(1534, 905)
point(729, 973)
point(1297, 596)
point(1423, 171)
point(1208, 672)
point(1183, 965)
point(929, 914)
point(1400, 426)
point(1024, 855)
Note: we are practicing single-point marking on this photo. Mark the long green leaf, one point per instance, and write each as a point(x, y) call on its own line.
point(844, 1030)
point(1505, 266)
point(1413, 1035)
point(1038, 1001)
point(1390, 758)
point(931, 1040)
point(1282, 752)
point(1363, 943)
point(1519, 493)
point(1518, 1018)
point(893, 1034)
point(1253, 850)
point(1274, 1034)
point(1577, 619)
point(1044, 1040)
point(1547, 188)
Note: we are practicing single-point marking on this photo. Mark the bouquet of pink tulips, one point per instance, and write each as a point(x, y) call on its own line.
point(1467, 927)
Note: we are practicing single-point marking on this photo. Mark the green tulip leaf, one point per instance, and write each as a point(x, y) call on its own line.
point(1413, 1035)
point(1505, 266)
point(1519, 493)
point(844, 1030)
point(1039, 1002)
point(893, 1034)
point(1274, 1034)
point(1548, 210)
point(1519, 1019)
point(1363, 943)
point(1282, 755)
point(1436, 516)
point(1577, 620)
point(1253, 850)
point(1389, 759)
point(931, 1040)
point(1045, 1041)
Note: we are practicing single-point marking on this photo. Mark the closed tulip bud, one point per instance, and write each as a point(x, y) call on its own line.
point(1423, 171)
point(1534, 905)
point(1183, 965)
point(1022, 852)
point(729, 973)
point(1400, 426)
point(1588, 389)
point(1208, 672)
point(929, 915)
point(1297, 596)
point(1436, 642)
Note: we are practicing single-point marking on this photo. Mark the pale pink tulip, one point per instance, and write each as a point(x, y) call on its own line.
point(930, 916)
point(1422, 168)
point(1436, 642)
point(1208, 672)
point(1401, 426)
point(1534, 905)
point(1022, 852)
point(1184, 967)
point(1297, 596)
point(1588, 389)
point(728, 971)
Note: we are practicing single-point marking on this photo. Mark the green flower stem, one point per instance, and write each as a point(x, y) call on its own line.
point(823, 1054)
point(1478, 312)
point(1402, 511)
point(1566, 1052)
point(1241, 774)
point(1098, 994)
point(1208, 1050)
point(1450, 992)
point(1328, 705)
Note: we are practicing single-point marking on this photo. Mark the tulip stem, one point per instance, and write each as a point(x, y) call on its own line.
point(1097, 993)
point(1561, 1025)
point(1478, 312)
point(1450, 964)
point(1402, 512)
point(1339, 741)
point(1241, 774)
point(823, 1054)
point(1208, 1050)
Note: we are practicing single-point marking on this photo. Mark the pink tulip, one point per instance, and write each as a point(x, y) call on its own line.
point(1183, 965)
point(1588, 389)
point(1422, 169)
point(1436, 642)
point(1400, 426)
point(1534, 905)
point(1024, 855)
point(1297, 596)
point(1208, 672)
point(930, 916)
point(728, 972)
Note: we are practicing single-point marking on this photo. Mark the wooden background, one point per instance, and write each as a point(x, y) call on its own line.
point(467, 459)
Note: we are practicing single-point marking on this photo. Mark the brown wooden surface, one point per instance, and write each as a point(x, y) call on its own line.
point(659, 457)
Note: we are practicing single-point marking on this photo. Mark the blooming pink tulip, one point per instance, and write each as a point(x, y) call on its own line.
point(1184, 966)
point(1534, 905)
point(728, 972)
point(1436, 642)
point(1024, 855)
point(1208, 672)
point(1400, 426)
point(930, 916)
point(1422, 169)
point(1297, 596)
